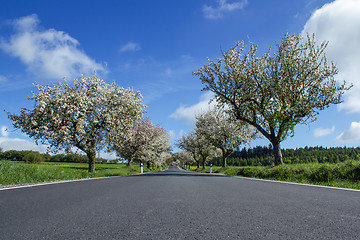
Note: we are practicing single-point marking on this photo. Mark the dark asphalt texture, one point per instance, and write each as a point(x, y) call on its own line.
point(175, 204)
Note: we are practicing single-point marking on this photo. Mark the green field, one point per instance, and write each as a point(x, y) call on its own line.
point(345, 174)
point(12, 172)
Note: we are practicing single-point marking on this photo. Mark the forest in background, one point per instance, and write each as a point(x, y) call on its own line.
point(263, 156)
point(36, 157)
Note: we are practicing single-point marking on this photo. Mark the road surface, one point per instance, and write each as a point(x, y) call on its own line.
point(175, 204)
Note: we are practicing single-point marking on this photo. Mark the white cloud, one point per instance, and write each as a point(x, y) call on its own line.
point(20, 145)
point(223, 7)
point(109, 155)
point(4, 131)
point(339, 22)
point(182, 132)
point(47, 53)
point(3, 79)
point(350, 135)
point(322, 132)
point(172, 134)
point(130, 47)
point(175, 135)
point(188, 113)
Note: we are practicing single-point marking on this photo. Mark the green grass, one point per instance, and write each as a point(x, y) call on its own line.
point(345, 175)
point(12, 172)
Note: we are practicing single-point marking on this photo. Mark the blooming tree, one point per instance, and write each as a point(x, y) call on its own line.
point(200, 148)
point(274, 92)
point(143, 133)
point(158, 150)
point(189, 143)
point(88, 115)
point(142, 143)
point(223, 132)
point(163, 158)
point(183, 157)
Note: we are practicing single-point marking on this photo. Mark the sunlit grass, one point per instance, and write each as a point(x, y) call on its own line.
point(12, 172)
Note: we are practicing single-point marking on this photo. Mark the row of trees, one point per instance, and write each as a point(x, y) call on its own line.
point(91, 116)
point(216, 133)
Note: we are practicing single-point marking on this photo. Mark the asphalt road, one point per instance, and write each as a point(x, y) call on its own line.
point(178, 205)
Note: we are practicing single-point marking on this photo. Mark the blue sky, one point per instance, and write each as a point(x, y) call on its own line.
point(154, 46)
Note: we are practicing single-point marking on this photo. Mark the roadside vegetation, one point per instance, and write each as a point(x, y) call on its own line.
point(19, 172)
point(345, 174)
point(337, 167)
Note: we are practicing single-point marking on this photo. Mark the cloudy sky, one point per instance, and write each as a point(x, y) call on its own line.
point(154, 46)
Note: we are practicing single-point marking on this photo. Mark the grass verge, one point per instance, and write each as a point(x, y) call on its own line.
point(12, 172)
point(345, 175)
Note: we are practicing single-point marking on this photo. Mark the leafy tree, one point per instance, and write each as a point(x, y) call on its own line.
point(189, 143)
point(13, 155)
point(88, 115)
point(205, 150)
point(33, 157)
point(274, 92)
point(223, 132)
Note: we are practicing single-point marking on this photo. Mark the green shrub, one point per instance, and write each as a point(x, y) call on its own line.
point(33, 157)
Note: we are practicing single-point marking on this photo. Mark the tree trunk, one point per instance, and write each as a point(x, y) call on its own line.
point(203, 164)
point(92, 157)
point(224, 163)
point(148, 164)
point(129, 162)
point(277, 153)
point(198, 164)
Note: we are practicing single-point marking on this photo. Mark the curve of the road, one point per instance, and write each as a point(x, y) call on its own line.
point(175, 204)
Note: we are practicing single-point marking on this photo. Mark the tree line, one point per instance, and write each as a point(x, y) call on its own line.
point(29, 156)
point(262, 155)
